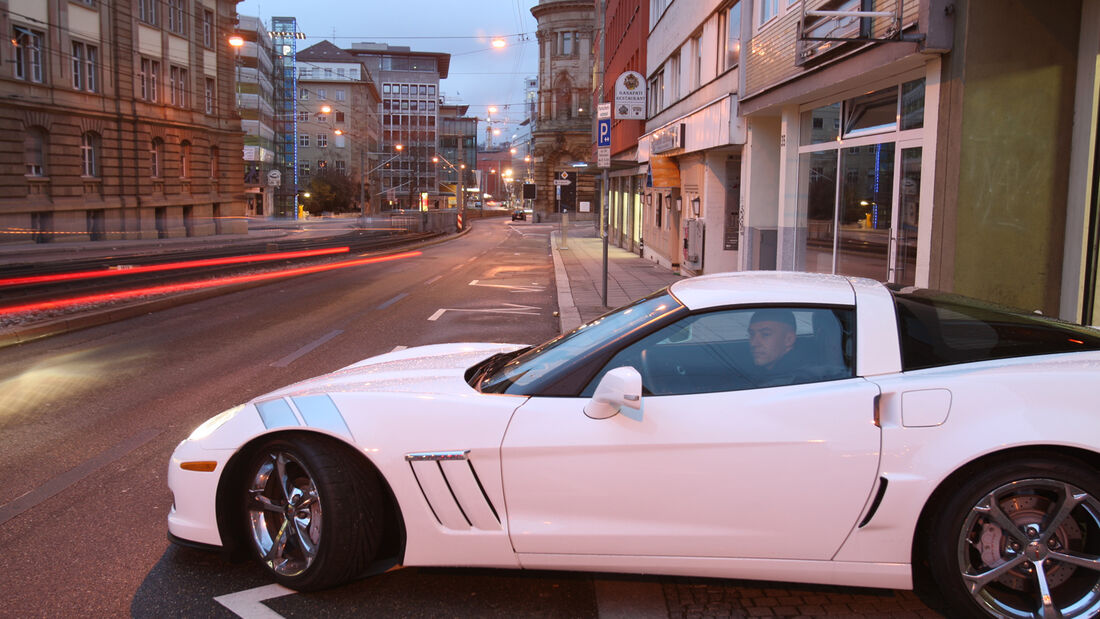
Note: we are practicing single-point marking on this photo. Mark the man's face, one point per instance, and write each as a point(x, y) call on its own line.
point(769, 341)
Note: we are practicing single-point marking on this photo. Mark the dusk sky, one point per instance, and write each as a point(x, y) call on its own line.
point(480, 76)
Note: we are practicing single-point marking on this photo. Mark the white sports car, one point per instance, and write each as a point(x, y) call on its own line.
point(773, 426)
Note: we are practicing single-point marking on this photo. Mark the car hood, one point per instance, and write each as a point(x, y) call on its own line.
point(435, 369)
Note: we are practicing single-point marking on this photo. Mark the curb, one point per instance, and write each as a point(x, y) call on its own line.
point(569, 316)
point(22, 334)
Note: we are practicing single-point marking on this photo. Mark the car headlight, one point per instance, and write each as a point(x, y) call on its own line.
point(207, 428)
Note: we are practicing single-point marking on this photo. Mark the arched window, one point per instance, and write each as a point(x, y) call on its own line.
point(34, 151)
point(185, 159)
point(156, 157)
point(215, 170)
point(89, 153)
point(563, 99)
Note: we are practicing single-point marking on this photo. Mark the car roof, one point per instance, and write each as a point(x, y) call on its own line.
point(764, 288)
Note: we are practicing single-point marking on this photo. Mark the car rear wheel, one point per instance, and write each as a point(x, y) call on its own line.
point(312, 513)
point(1021, 540)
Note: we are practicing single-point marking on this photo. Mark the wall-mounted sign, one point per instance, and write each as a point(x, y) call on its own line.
point(274, 178)
point(669, 138)
point(630, 96)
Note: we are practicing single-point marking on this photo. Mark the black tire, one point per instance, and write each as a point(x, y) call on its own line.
point(1010, 531)
point(283, 522)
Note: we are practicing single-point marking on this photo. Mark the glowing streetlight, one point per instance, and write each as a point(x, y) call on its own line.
point(499, 43)
point(236, 40)
point(325, 109)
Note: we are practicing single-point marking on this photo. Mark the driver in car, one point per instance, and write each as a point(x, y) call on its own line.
point(771, 339)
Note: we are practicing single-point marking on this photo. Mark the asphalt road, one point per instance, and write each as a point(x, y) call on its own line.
point(88, 420)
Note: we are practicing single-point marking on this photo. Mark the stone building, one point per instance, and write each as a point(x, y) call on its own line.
point(409, 84)
point(118, 121)
point(562, 135)
point(339, 126)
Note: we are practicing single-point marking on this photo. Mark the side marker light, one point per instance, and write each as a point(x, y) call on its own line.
point(200, 467)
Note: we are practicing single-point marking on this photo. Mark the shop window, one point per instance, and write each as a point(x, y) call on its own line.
point(912, 105)
point(876, 112)
point(818, 126)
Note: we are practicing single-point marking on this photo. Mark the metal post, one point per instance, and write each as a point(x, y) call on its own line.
point(362, 187)
point(604, 221)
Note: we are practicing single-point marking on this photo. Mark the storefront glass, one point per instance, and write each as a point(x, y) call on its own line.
point(866, 209)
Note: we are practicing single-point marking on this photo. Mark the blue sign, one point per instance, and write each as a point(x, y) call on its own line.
point(603, 137)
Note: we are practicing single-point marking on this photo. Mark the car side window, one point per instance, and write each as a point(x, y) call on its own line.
point(744, 348)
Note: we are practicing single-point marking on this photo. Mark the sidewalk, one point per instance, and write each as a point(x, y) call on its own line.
point(578, 268)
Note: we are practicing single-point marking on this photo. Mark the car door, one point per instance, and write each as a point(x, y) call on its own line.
point(718, 462)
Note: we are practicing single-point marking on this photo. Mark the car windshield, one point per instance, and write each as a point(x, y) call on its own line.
point(543, 364)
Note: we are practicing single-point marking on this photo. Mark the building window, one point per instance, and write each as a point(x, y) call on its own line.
point(177, 86)
point(85, 58)
point(322, 93)
point(353, 73)
point(322, 118)
point(766, 10)
point(28, 54)
point(89, 154)
point(731, 55)
point(322, 140)
point(156, 157)
point(175, 16)
point(208, 28)
point(328, 73)
point(147, 11)
point(339, 117)
point(34, 151)
point(215, 167)
point(341, 167)
point(696, 61)
point(148, 76)
point(567, 43)
point(385, 89)
point(431, 90)
point(303, 94)
point(303, 140)
point(340, 95)
point(673, 70)
point(341, 73)
point(321, 165)
point(209, 95)
point(303, 169)
point(185, 159)
point(303, 116)
point(305, 73)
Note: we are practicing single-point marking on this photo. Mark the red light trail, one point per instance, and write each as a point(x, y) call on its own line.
point(170, 266)
point(188, 286)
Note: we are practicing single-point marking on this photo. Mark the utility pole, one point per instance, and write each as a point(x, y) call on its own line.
point(604, 188)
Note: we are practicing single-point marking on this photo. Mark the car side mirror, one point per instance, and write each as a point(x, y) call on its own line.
point(621, 387)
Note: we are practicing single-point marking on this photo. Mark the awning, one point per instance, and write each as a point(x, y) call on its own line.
point(664, 171)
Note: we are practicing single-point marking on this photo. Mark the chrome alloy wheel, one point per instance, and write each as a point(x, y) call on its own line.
point(1031, 548)
point(284, 513)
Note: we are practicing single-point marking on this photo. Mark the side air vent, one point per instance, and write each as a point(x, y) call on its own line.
point(882, 483)
point(453, 490)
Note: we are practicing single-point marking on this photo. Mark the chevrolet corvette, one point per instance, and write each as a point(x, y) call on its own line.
point(769, 426)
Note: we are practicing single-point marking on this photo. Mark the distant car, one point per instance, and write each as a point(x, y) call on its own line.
point(519, 214)
point(776, 426)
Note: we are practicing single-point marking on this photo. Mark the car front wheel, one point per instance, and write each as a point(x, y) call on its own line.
point(311, 512)
point(1021, 540)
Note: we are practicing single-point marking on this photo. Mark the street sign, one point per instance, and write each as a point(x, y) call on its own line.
point(630, 92)
point(603, 134)
point(562, 182)
point(603, 110)
point(603, 157)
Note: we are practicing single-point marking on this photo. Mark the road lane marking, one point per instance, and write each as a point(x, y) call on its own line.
point(512, 288)
point(393, 300)
point(511, 309)
point(60, 483)
point(292, 357)
point(249, 603)
point(433, 280)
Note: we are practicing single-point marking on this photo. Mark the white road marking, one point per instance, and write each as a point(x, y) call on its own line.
point(433, 280)
point(292, 357)
point(249, 603)
point(516, 288)
point(393, 300)
point(511, 309)
point(397, 348)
